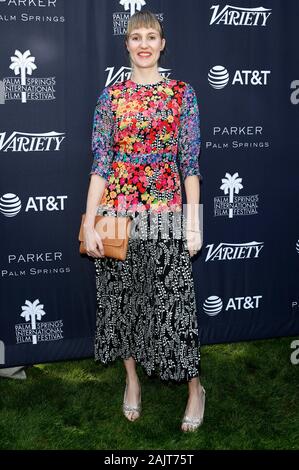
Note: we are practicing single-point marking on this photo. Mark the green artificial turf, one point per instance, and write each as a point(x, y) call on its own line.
point(252, 402)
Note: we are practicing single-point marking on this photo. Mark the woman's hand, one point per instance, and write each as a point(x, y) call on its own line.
point(93, 243)
point(194, 241)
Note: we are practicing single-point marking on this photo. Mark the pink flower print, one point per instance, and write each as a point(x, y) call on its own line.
point(148, 148)
point(170, 183)
point(143, 179)
point(176, 198)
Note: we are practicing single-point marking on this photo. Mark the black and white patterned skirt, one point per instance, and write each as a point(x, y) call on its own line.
point(146, 305)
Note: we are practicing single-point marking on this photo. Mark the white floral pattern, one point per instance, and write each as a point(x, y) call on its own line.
point(146, 306)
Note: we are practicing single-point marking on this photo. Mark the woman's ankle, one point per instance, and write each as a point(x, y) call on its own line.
point(132, 378)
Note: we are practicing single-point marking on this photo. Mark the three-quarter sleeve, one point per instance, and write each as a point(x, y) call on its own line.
point(189, 139)
point(102, 136)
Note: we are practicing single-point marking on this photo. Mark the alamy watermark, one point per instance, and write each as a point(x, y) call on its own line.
point(2, 92)
point(152, 224)
point(2, 353)
point(294, 358)
point(295, 94)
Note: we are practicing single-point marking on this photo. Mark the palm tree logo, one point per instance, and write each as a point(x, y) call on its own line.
point(133, 5)
point(231, 185)
point(33, 311)
point(22, 64)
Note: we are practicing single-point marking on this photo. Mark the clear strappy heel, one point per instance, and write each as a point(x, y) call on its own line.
point(127, 409)
point(193, 422)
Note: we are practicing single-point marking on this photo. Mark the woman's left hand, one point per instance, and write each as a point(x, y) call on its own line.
point(194, 241)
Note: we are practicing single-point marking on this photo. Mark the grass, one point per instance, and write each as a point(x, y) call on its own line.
point(252, 403)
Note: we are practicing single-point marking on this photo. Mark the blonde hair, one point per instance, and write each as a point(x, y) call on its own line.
point(145, 19)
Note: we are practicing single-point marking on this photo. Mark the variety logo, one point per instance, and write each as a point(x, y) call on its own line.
point(233, 205)
point(218, 77)
point(35, 332)
point(295, 94)
point(120, 19)
point(238, 16)
point(10, 204)
point(231, 251)
point(31, 142)
point(23, 88)
point(41, 263)
point(124, 73)
point(213, 305)
point(245, 137)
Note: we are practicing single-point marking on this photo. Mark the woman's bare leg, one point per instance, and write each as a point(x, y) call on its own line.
point(194, 404)
point(133, 390)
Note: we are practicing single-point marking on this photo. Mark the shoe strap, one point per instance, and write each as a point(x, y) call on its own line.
point(127, 407)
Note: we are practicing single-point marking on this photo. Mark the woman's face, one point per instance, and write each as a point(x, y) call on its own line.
point(145, 46)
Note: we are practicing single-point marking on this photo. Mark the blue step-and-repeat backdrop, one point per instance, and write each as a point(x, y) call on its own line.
point(56, 56)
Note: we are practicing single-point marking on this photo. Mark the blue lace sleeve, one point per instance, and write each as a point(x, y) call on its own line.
point(189, 139)
point(102, 136)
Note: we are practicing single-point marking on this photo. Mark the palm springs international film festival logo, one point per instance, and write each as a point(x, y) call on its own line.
point(33, 330)
point(22, 87)
point(238, 16)
point(121, 18)
point(231, 204)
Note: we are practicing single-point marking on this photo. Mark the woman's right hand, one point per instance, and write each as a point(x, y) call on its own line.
point(93, 243)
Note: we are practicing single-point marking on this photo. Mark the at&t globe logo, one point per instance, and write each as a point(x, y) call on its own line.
point(10, 205)
point(218, 77)
point(213, 305)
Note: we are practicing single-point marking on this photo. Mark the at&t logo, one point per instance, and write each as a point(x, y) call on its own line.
point(218, 77)
point(213, 305)
point(10, 204)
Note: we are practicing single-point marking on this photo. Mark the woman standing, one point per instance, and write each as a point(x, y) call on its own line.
point(145, 129)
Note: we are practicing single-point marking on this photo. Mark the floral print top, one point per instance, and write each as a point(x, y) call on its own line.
point(143, 136)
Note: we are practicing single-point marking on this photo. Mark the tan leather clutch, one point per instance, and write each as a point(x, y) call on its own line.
point(114, 233)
